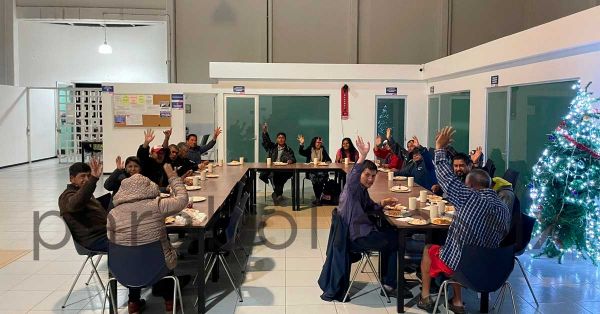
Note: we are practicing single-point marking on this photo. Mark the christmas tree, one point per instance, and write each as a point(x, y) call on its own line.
point(565, 191)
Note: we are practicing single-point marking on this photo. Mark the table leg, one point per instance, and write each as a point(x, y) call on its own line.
point(400, 282)
point(484, 303)
point(297, 189)
point(113, 294)
point(254, 184)
point(201, 274)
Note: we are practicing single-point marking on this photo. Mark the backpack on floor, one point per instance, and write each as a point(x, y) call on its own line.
point(331, 193)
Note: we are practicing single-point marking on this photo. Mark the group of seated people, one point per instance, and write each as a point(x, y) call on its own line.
point(136, 213)
point(483, 210)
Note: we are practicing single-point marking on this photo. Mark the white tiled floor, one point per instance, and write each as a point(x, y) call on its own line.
point(277, 280)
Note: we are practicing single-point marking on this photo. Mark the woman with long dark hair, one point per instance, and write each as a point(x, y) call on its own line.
point(315, 150)
point(346, 151)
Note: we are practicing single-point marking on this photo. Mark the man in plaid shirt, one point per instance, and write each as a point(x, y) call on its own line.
point(481, 219)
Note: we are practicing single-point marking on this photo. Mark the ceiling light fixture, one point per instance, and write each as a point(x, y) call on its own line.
point(105, 48)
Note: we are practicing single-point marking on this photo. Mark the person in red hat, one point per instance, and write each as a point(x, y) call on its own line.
point(152, 160)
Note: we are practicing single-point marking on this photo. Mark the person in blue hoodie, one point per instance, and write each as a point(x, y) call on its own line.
point(420, 166)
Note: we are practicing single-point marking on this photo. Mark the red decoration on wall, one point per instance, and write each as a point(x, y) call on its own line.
point(345, 108)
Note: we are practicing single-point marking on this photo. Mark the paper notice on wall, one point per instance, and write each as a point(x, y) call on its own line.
point(153, 109)
point(120, 119)
point(165, 113)
point(134, 119)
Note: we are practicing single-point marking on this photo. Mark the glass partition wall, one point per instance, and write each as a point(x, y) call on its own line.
point(391, 111)
point(450, 109)
point(519, 120)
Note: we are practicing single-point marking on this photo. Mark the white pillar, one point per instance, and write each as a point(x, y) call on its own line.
point(8, 43)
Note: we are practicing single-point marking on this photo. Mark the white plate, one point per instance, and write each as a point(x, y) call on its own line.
point(384, 169)
point(400, 178)
point(192, 187)
point(418, 222)
point(234, 163)
point(396, 207)
point(196, 199)
point(279, 163)
point(212, 175)
point(163, 195)
point(322, 164)
point(400, 189)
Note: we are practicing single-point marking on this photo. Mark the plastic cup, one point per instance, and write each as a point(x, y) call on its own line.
point(241, 160)
point(433, 211)
point(423, 196)
point(410, 181)
point(269, 162)
point(390, 176)
point(316, 161)
point(441, 208)
point(202, 176)
point(196, 180)
point(412, 203)
point(210, 168)
point(346, 161)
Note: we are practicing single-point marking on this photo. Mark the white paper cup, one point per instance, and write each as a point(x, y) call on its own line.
point(221, 162)
point(412, 203)
point(423, 196)
point(441, 208)
point(410, 182)
point(173, 237)
point(315, 161)
point(241, 160)
point(269, 162)
point(346, 161)
point(390, 176)
point(210, 168)
point(433, 211)
point(202, 176)
point(196, 180)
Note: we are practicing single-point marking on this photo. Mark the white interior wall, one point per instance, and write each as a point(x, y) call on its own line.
point(51, 53)
point(202, 118)
point(13, 125)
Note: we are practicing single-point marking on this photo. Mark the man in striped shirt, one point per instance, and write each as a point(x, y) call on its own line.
point(481, 219)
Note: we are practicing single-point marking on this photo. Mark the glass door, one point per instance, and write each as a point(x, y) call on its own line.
point(497, 128)
point(433, 118)
point(241, 122)
point(391, 111)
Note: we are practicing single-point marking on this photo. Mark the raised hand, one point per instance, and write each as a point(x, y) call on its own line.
point(265, 127)
point(148, 137)
point(416, 141)
point(444, 137)
point(301, 139)
point(171, 173)
point(120, 164)
point(362, 147)
point(168, 132)
point(388, 133)
point(203, 165)
point(217, 132)
point(475, 157)
point(96, 166)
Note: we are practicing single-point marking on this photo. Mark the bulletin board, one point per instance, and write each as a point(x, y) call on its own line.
point(137, 110)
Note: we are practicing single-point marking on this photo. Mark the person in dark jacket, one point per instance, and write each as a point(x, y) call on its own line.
point(81, 211)
point(184, 165)
point(279, 152)
point(124, 170)
point(152, 160)
point(315, 150)
point(356, 206)
point(420, 167)
point(401, 152)
point(195, 153)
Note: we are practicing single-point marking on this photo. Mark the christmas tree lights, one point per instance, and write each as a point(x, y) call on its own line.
point(565, 187)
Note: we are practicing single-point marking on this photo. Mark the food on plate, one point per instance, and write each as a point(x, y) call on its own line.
point(418, 222)
point(441, 221)
point(169, 220)
point(393, 213)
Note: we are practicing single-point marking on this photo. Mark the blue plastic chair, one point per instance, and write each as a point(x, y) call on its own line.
point(138, 267)
point(482, 270)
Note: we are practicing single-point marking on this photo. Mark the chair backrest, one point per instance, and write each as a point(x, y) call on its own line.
point(484, 269)
point(515, 224)
point(523, 237)
point(239, 190)
point(137, 266)
point(490, 168)
point(511, 176)
point(204, 139)
point(234, 223)
point(105, 200)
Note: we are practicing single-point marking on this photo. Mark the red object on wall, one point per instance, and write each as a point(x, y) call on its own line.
point(345, 109)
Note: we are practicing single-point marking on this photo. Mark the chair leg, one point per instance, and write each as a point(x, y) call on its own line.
point(499, 298)
point(87, 283)
point(378, 281)
point(511, 296)
point(237, 260)
point(446, 298)
point(107, 293)
point(212, 265)
point(527, 280)
point(95, 270)
point(353, 277)
point(437, 300)
point(302, 191)
point(228, 272)
point(75, 281)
